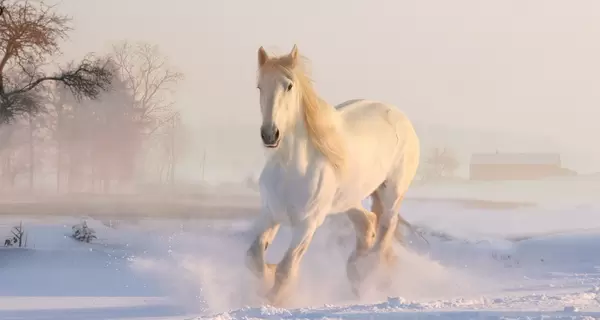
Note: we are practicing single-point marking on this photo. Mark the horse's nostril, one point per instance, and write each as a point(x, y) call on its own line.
point(269, 134)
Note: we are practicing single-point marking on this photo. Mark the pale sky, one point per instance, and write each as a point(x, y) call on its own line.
point(520, 67)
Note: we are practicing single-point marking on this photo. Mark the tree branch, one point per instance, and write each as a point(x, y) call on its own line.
point(147, 75)
point(87, 80)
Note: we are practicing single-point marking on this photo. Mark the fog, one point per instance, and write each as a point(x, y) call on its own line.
point(164, 165)
point(508, 76)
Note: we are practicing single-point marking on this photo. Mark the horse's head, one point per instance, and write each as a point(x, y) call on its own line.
point(279, 95)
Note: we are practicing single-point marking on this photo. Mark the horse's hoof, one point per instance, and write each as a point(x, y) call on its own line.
point(366, 269)
point(269, 275)
point(355, 280)
point(357, 270)
point(279, 296)
point(355, 287)
point(274, 299)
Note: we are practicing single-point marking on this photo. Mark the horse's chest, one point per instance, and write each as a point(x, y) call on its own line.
point(291, 196)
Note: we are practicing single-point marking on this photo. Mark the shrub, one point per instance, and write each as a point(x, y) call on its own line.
point(18, 237)
point(82, 232)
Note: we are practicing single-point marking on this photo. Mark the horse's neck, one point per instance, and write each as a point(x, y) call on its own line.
point(329, 111)
point(297, 149)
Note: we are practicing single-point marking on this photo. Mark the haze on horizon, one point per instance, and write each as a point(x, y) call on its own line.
point(527, 69)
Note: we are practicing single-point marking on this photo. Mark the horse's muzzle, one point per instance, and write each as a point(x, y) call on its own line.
point(270, 136)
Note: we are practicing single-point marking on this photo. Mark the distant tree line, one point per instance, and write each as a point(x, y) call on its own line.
point(438, 164)
point(93, 123)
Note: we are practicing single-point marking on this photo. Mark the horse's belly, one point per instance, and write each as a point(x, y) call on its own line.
point(352, 194)
point(369, 168)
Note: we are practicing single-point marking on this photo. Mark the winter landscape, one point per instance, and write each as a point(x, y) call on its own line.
point(130, 149)
point(479, 262)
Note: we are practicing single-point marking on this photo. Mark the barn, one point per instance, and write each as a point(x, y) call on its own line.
point(516, 166)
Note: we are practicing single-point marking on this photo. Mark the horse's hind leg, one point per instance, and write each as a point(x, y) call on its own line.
point(365, 223)
point(390, 198)
point(265, 230)
point(378, 209)
point(374, 231)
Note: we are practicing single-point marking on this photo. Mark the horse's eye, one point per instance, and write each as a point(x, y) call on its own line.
point(289, 87)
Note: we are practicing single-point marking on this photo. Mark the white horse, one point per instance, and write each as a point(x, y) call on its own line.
point(325, 160)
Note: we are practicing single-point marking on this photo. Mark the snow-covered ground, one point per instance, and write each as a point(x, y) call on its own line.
point(529, 263)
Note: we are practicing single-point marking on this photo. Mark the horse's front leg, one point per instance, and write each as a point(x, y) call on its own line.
point(287, 270)
point(265, 231)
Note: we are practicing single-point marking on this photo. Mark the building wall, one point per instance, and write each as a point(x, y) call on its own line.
point(513, 171)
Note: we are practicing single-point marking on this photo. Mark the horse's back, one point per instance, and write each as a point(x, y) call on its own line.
point(383, 143)
point(365, 109)
point(368, 114)
point(344, 104)
point(392, 135)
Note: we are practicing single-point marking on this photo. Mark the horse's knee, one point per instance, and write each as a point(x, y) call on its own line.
point(371, 232)
point(365, 225)
point(364, 242)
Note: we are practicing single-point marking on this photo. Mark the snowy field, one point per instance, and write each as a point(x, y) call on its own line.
point(520, 263)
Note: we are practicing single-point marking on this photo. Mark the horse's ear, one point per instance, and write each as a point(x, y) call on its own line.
point(294, 54)
point(263, 57)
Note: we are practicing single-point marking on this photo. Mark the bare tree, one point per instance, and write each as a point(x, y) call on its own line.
point(29, 35)
point(151, 81)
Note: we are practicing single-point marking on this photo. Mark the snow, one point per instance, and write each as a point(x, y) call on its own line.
point(537, 262)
